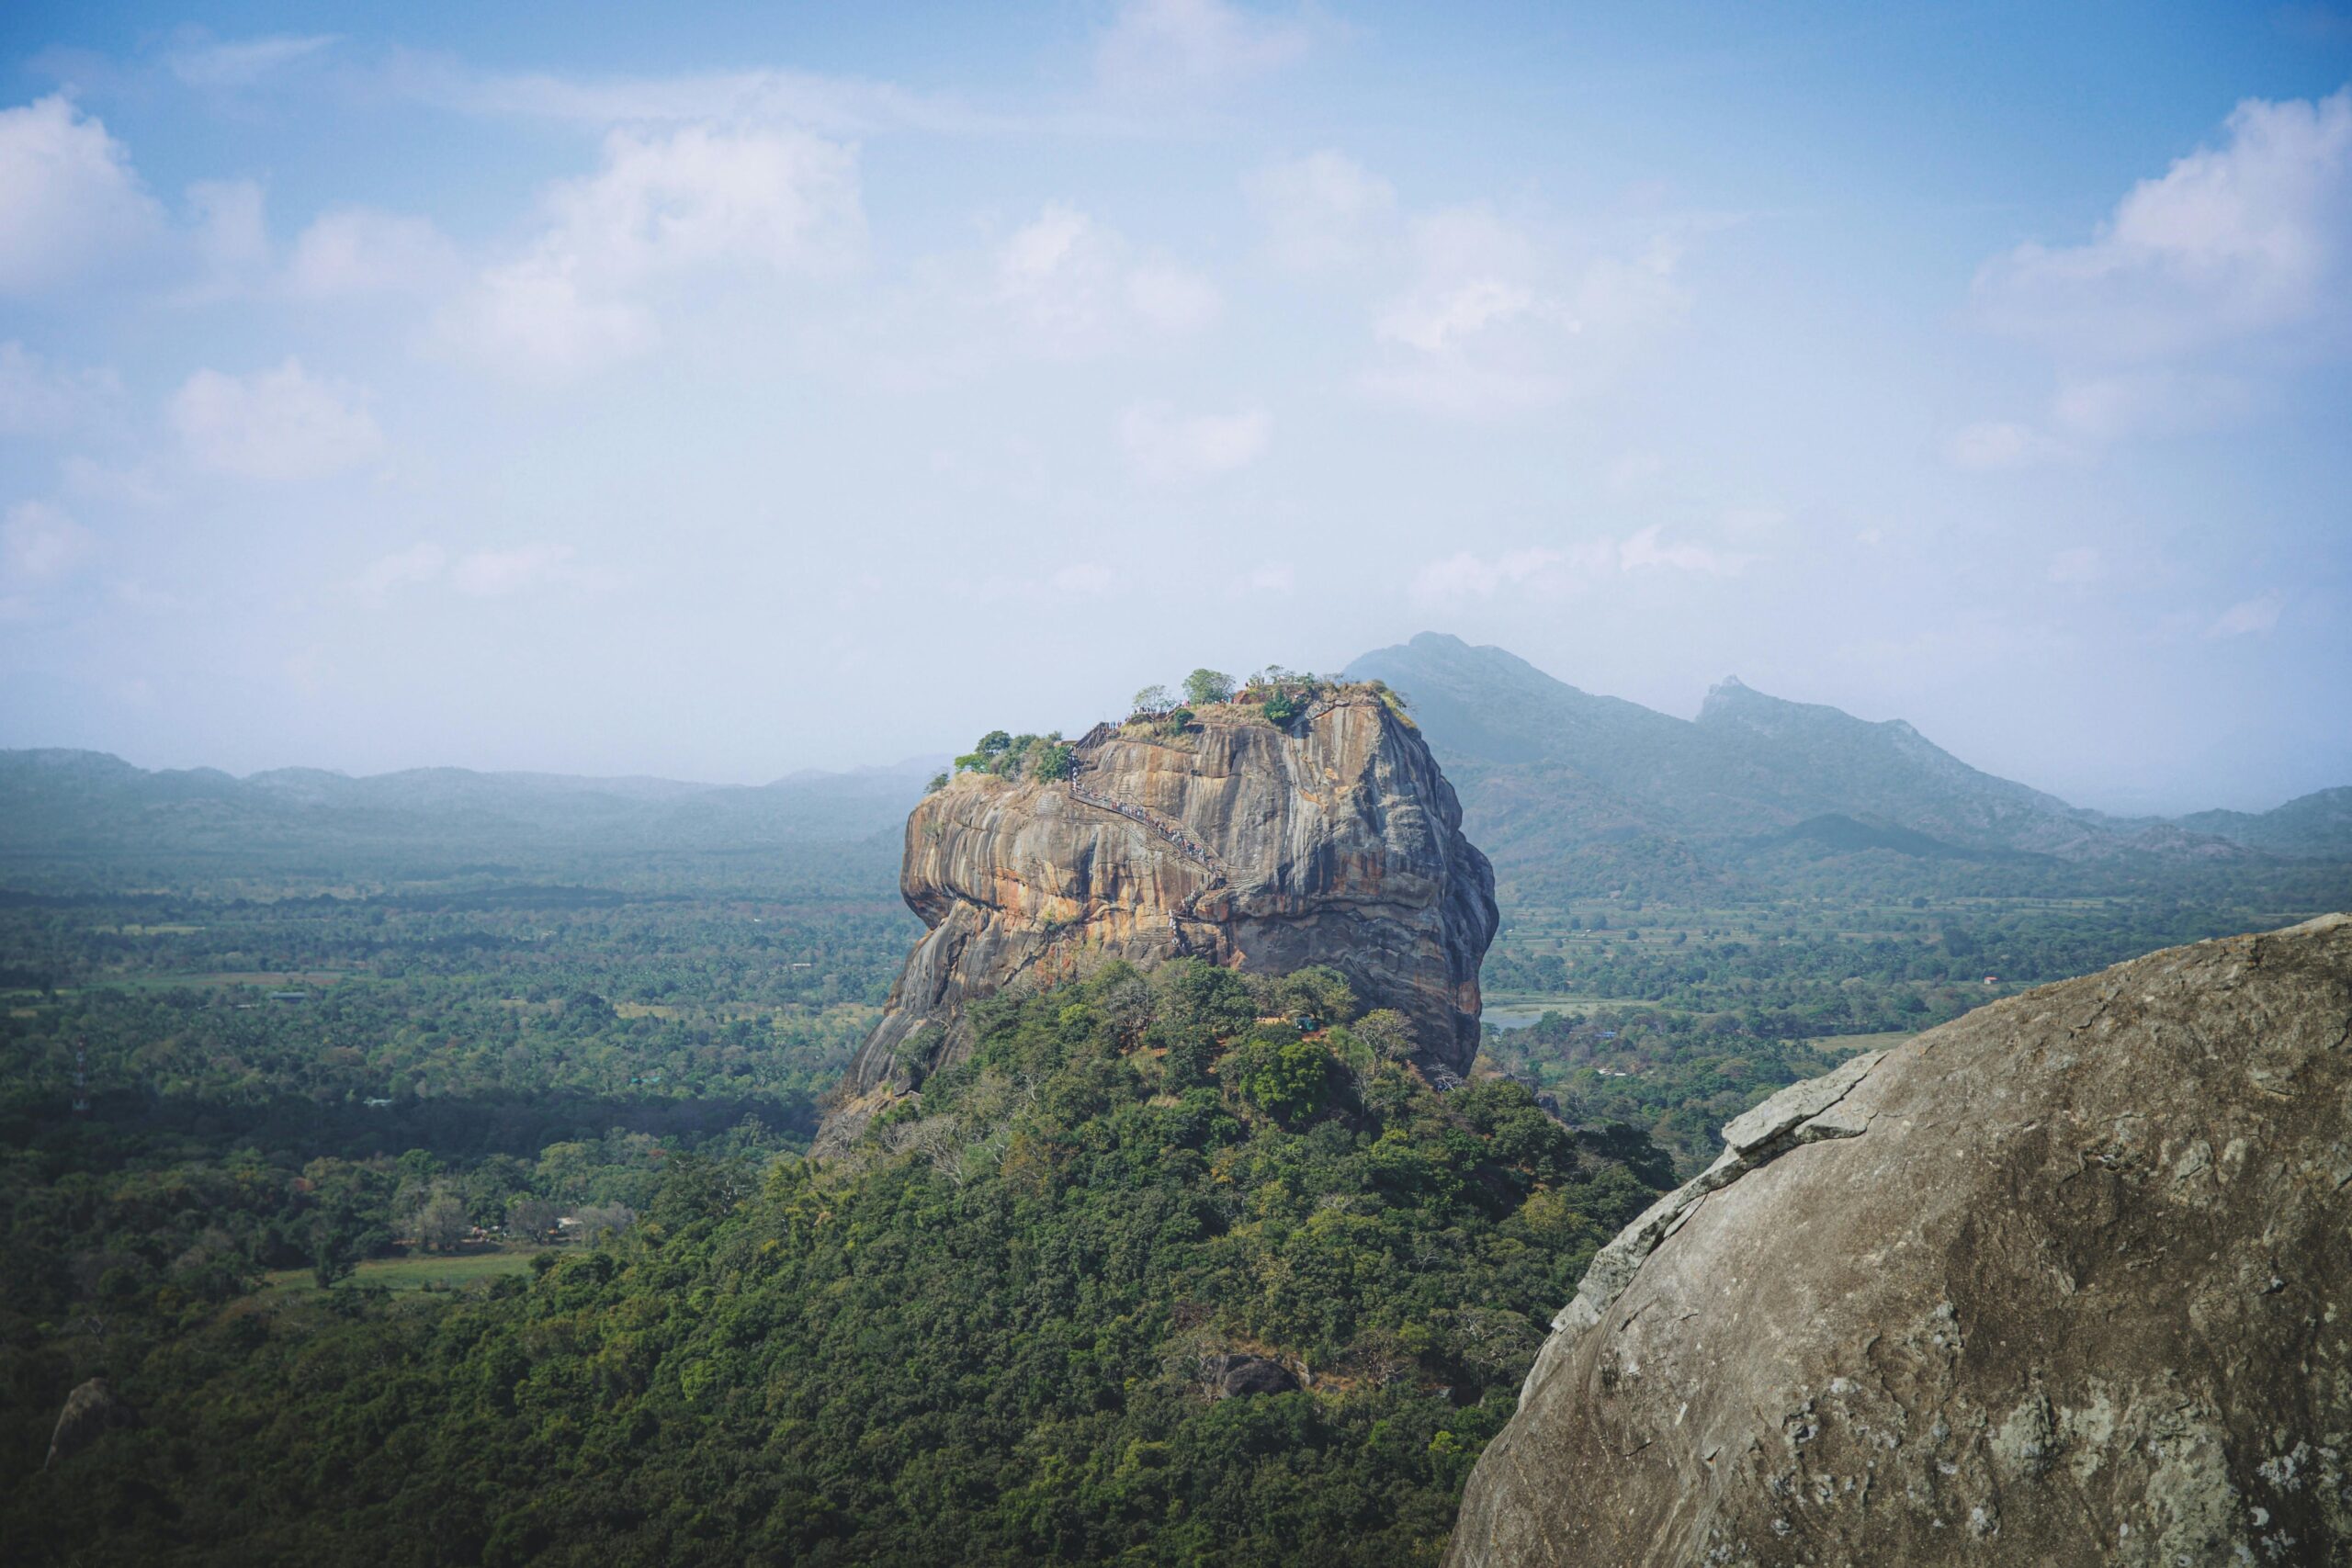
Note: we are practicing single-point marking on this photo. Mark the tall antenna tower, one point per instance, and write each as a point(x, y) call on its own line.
point(81, 1075)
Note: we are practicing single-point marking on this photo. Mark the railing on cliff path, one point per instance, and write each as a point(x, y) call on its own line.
point(1173, 835)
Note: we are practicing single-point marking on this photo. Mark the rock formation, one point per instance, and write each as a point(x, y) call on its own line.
point(2065, 1281)
point(1334, 840)
point(91, 1411)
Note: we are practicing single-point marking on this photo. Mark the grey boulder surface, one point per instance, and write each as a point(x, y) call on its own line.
point(2067, 1281)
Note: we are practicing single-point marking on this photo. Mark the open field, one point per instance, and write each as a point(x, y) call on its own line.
point(448, 1271)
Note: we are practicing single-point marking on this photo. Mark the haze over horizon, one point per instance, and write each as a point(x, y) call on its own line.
point(716, 397)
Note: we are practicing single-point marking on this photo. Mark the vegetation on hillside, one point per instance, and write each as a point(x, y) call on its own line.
point(989, 1336)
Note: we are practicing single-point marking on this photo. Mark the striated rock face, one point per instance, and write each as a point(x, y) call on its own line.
point(1336, 841)
point(2065, 1281)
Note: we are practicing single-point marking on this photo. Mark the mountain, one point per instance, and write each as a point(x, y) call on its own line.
point(1551, 776)
point(62, 809)
point(2052, 1283)
point(1749, 766)
point(2318, 826)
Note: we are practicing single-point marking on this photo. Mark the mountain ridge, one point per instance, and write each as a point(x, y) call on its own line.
point(1547, 769)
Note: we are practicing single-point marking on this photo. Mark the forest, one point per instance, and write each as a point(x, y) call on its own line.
point(464, 1207)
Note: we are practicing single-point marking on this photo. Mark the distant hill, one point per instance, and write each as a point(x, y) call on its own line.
point(2318, 825)
point(62, 809)
point(1547, 771)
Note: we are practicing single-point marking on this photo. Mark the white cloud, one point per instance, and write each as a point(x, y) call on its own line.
point(1268, 577)
point(1071, 288)
point(70, 203)
point(1167, 448)
point(39, 542)
point(280, 424)
point(2080, 564)
point(836, 106)
point(1157, 48)
point(1084, 577)
point(1320, 211)
point(203, 63)
point(2250, 617)
point(1171, 301)
point(1463, 575)
point(694, 201)
point(358, 250)
point(1997, 444)
point(2241, 239)
point(493, 574)
point(1542, 573)
point(1498, 320)
point(418, 564)
point(1643, 551)
point(39, 399)
point(2149, 403)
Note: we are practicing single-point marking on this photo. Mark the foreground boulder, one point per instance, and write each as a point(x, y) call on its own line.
point(1332, 840)
point(2068, 1280)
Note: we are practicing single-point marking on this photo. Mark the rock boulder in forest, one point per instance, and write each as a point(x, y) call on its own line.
point(1332, 840)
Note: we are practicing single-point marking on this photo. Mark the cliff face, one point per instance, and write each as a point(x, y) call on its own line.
point(1336, 841)
point(2063, 1281)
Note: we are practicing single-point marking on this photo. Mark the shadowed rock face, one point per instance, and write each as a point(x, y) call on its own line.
point(1337, 842)
point(91, 1411)
point(2065, 1282)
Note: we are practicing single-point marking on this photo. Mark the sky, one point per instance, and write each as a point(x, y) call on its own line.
point(598, 390)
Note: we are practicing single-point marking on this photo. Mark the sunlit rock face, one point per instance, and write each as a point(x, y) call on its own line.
point(1334, 841)
point(2065, 1282)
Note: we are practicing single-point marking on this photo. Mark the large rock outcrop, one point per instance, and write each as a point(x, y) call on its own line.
point(1334, 840)
point(2068, 1280)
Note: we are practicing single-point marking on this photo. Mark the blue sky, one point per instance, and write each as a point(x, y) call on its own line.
point(589, 390)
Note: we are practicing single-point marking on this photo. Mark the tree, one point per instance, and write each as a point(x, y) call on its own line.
point(331, 1260)
point(1205, 686)
point(1053, 761)
point(1153, 699)
point(1387, 1031)
point(441, 1223)
point(531, 1217)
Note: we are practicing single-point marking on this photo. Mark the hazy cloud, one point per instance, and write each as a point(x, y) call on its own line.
point(1543, 572)
point(201, 61)
point(2081, 564)
point(2249, 617)
point(1166, 447)
point(1498, 320)
point(697, 199)
point(39, 399)
point(1084, 577)
point(280, 424)
point(418, 564)
point(1073, 287)
point(38, 543)
point(360, 250)
point(1999, 443)
point(1323, 210)
point(1155, 48)
point(495, 574)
